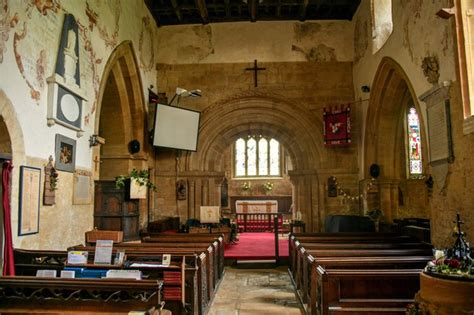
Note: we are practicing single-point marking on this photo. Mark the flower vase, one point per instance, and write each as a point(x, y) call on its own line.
point(268, 192)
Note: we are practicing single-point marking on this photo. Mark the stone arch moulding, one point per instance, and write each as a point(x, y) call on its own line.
point(391, 92)
point(122, 67)
point(123, 61)
point(293, 126)
point(390, 86)
point(7, 112)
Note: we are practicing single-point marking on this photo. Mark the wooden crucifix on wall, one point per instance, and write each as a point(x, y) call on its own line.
point(255, 70)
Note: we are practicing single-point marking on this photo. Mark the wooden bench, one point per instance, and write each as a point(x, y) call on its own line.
point(333, 238)
point(23, 294)
point(194, 299)
point(369, 291)
point(200, 280)
point(217, 240)
point(308, 293)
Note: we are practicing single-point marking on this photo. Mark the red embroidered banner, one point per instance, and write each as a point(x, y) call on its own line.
point(337, 125)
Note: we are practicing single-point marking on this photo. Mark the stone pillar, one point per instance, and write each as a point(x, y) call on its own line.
point(203, 190)
point(306, 197)
point(388, 189)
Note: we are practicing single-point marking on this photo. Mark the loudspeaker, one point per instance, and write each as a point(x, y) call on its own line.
point(134, 146)
point(374, 170)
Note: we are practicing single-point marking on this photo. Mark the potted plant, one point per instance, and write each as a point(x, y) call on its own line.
point(136, 183)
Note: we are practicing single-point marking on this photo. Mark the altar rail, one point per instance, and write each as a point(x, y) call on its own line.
point(258, 222)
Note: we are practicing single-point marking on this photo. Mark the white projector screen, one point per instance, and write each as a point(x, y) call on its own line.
point(176, 127)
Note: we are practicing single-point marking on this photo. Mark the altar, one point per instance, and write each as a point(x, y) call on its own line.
point(256, 206)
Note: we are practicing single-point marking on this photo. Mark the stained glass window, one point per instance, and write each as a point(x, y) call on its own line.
point(415, 166)
point(257, 156)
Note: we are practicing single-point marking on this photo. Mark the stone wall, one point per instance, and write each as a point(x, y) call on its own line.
point(417, 33)
point(287, 105)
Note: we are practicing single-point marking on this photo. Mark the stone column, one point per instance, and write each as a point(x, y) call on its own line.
point(388, 189)
point(306, 197)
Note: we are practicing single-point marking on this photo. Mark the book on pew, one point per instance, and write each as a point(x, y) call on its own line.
point(124, 274)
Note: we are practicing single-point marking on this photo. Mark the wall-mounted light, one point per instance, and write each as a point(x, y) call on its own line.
point(96, 140)
point(180, 92)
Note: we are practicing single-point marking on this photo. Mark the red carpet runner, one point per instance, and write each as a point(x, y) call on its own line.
point(253, 246)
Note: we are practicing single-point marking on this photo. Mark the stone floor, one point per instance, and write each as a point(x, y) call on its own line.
point(255, 291)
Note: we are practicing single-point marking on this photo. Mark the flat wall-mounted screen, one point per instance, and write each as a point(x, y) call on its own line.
point(176, 127)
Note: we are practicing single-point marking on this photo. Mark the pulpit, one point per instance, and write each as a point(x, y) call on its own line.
point(114, 211)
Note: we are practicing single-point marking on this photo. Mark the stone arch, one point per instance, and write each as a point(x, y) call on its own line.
point(121, 113)
point(294, 126)
point(15, 140)
point(384, 132)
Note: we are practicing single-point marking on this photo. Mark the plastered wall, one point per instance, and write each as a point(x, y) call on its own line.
point(29, 40)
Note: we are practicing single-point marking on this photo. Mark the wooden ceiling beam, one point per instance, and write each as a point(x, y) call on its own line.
point(303, 8)
point(201, 5)
point(177, 10)
point(253, 10)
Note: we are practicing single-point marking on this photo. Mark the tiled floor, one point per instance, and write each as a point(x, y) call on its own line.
point(255, 291)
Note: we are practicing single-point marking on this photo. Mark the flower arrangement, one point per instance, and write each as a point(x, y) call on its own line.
point(441, 264)
point(268, 186)
point(455, 261)
point(245, 186)
point(142, 177)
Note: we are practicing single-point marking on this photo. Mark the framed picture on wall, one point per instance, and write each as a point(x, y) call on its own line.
point(29, 200)
point(65, 153)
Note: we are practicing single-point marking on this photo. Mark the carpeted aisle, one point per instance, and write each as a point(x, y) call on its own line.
point(253, 246)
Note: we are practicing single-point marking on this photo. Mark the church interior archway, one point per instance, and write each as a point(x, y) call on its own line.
point(5, 154)
point(120, 120)
point(222, 124)
point(399, 195)
point(121, 114)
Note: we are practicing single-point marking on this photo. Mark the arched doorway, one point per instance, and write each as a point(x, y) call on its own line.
point(5, 155)
point(11, 149)
point(120, 119)
point(385, 143)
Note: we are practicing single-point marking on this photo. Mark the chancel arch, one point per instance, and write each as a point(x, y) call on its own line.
point(386, 138)
point(292, 125)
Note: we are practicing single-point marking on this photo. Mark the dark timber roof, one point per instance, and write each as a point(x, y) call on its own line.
point(175, 12)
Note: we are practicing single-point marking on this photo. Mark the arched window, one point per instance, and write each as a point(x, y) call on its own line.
point(382, 23)
point(257, 157)
point(415, 166)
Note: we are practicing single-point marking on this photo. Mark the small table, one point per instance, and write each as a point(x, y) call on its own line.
point(299, 224)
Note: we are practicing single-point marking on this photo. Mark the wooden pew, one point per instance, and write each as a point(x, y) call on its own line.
point(333, 238)
point(309, 294)
point(199, 281)
point(190, 238)
point(23, 294)
point(215, 257)
point(196, 296)
point(370, 291)
point(303, 251)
